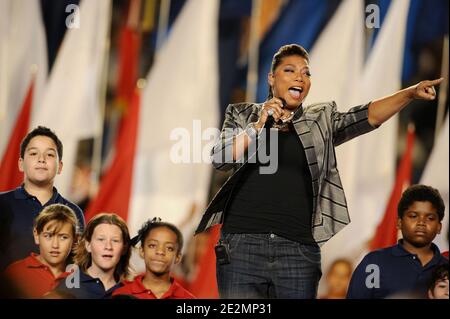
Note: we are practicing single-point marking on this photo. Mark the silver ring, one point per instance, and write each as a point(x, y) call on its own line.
point(270, 112)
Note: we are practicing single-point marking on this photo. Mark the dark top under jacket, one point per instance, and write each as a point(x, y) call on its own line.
point(266, 203)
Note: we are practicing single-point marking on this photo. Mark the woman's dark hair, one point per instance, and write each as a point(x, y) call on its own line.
point(421, 193)
point(154, 223)
point(284, 51)
point(41, 131)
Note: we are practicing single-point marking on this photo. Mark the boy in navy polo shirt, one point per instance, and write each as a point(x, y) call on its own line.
point(55, 232)
point(40, 160)
point(406, 268)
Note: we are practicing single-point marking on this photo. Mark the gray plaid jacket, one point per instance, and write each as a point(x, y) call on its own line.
point(320, 128)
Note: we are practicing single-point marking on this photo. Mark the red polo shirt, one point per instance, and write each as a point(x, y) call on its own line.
point(137, 289)
point(31, 278)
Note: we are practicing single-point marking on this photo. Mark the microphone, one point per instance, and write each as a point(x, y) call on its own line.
point(270, 120)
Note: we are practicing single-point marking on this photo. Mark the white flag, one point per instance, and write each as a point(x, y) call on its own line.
point(436, 175)
point(70, 104)
point(371, 162)
point(367, 163)
point(179, 104)
point(336, 67)
point(23, 51)
point(337, 57)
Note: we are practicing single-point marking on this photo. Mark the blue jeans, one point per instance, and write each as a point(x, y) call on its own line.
point(268, 266)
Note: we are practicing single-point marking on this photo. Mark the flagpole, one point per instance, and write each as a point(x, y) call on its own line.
point(163, 23)
point(253, 52)
point(442, 98)
point(96, 162)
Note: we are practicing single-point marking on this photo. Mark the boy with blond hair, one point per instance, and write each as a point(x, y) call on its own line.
point(55, 231)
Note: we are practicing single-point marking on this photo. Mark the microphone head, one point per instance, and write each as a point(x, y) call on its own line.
point(269, 122)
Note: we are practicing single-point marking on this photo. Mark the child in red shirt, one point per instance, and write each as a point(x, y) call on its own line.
point(55, 232)
point(161, 245)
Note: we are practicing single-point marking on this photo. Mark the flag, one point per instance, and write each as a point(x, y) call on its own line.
point(366, 168)
point(71, 101)
point(130, 44)
point(204, 285)
point(369, 167)
point(427, 21)
point(23, 55)
point(336, 69)
point(115, 187)
point(178, 123)
point(435, 174)
point(387, 233)
point(10, 176)
point(367, 163)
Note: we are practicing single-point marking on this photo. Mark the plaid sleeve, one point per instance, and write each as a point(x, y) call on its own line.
point(222, 151)
point(350, 124)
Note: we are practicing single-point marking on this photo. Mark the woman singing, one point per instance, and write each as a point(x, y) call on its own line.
point(276, 213)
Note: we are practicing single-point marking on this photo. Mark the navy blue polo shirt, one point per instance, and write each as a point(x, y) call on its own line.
point(88, 288)
point(18, 209)
point(400, 274)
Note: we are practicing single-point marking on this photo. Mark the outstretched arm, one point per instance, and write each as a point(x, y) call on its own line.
point(381, 110)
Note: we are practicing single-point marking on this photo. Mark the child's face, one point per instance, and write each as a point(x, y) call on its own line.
point(55, 242)
point(40, 162)
point(420, 224)
point(160, 251)
point(338, 278)
point(440, 290)
point(106, 246)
